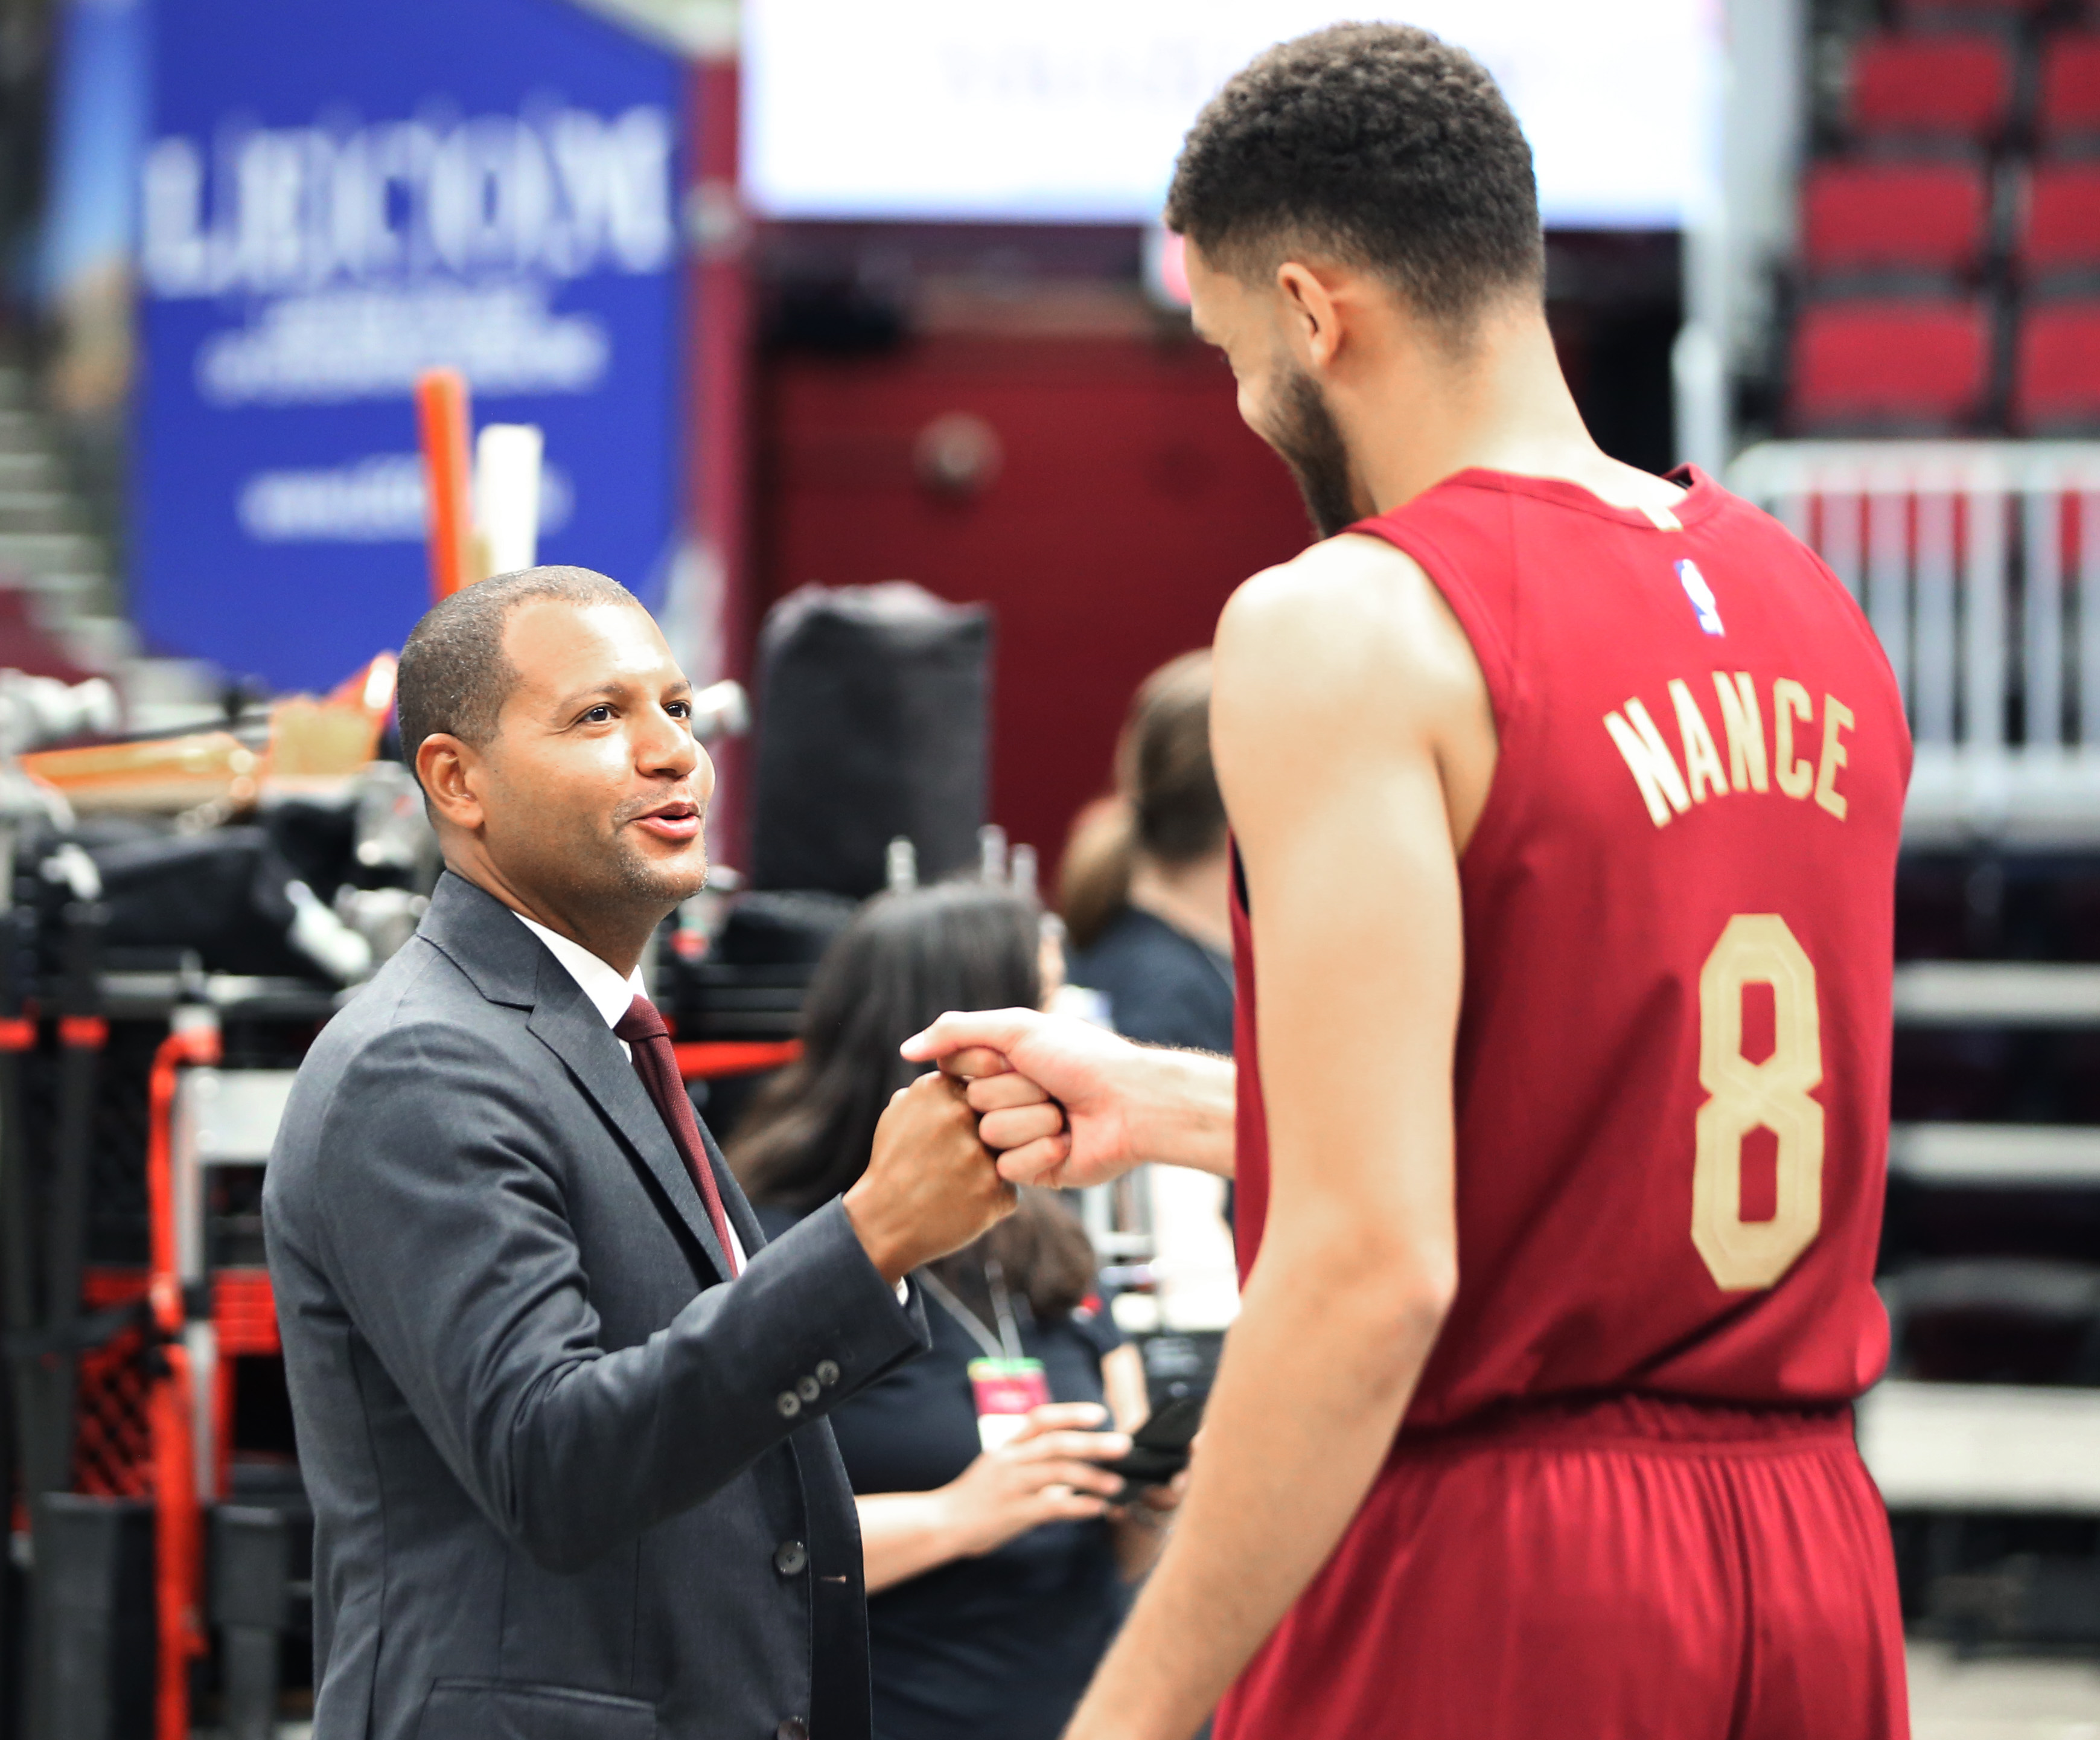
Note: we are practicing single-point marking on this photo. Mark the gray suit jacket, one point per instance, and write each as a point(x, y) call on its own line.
point(565, 1484)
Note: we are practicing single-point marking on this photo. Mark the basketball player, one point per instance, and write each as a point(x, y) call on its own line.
point(1567, 803)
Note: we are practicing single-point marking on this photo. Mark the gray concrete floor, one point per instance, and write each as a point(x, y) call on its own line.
point(1995, 1698)
point(1990, 1697)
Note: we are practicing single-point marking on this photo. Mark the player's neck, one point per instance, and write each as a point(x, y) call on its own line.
point(1504, 406)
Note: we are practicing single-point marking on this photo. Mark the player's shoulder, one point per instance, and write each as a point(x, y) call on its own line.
point(1349, 616)
point(1351, 571)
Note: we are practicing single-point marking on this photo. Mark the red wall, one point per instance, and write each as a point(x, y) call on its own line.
point(1129, 501)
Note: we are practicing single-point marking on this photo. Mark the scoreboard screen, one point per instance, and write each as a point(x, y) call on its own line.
point(1072, 112)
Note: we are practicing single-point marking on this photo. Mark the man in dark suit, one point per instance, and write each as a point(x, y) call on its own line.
point(560, 1407)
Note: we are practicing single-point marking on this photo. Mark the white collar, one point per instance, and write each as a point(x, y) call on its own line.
point(610, 994)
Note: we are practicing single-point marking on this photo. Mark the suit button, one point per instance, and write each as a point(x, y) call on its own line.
point(827, 1372)
point(789, 1403)
point(807, 1389)
point(793, 1728)
point(791, 1558)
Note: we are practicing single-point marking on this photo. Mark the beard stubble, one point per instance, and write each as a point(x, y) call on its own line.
point(1309, 441)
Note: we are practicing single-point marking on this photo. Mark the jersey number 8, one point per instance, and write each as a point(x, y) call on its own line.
point(1757, 949)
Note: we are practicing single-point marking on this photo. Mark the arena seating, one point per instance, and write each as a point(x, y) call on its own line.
point(1971, 15)
point(1947, 280)
point(1948, 89)
point(1871, 220)
point(2056, 370)
point(2068, 118)
point(1892, 367)
point(2056, 248)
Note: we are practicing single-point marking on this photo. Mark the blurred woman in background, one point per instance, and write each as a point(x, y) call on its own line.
point(1143, 886)
point(996, 1575)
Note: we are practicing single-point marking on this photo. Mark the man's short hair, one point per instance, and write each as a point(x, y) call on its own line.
point(454, 677)
point(1378, 146)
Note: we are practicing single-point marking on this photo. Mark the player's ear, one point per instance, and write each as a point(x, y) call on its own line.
point(1309, 308)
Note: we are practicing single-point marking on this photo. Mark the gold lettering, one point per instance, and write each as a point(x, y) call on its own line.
point(1757, 949)
point(1745, 727)
point(1648, 756)
point(1790, 702)
point(1837, 717)
point(1702, 761)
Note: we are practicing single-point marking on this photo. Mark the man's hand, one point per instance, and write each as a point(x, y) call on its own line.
point(931, 1186)
point(1123, 1104)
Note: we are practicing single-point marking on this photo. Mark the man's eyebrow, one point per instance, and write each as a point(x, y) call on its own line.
point(612, 686)
point(578, 697)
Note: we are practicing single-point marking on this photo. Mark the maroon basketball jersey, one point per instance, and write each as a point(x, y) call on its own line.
point(1672, 1072)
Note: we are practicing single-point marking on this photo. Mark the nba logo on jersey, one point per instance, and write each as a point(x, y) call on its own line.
point(1701, 595)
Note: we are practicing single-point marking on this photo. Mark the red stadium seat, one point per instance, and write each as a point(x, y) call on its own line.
point(1931, 217)
point(1968, 13)
point(1951, 88)
point(2056, 370)
point(2058, 244)
point(1916, 368)
point(2069, 118)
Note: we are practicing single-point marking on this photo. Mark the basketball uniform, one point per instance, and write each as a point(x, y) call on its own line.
point(1624, 1500)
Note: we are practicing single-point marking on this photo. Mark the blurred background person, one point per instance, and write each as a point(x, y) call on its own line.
point(997, 1576)
point(1143, 886)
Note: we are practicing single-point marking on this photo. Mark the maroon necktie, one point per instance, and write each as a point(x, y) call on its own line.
point(657, 1064)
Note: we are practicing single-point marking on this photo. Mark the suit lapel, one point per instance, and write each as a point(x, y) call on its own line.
point(564, 1021)
point(510, 965)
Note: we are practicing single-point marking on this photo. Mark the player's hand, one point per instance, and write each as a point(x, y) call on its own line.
point(1055, 1095)
point(1050, 1472)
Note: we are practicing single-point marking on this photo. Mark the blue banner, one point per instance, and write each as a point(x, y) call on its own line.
point(335, 198)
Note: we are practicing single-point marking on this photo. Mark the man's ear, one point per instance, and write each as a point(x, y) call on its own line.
point(450, 771)
point(1313, 310)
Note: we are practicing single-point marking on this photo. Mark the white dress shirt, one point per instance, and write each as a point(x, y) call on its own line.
point(612, 996)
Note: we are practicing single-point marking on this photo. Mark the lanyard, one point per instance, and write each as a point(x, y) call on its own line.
point(1006, 1344)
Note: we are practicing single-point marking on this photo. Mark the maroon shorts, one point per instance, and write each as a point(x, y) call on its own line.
point(1620, 1571)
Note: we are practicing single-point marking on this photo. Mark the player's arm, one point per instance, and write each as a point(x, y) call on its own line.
point(1122, 1104)
point(1345, 699)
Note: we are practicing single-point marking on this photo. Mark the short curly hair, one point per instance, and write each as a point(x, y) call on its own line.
point(1380, 146)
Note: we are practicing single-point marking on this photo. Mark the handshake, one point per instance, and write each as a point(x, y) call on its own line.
point(1022, 1098)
